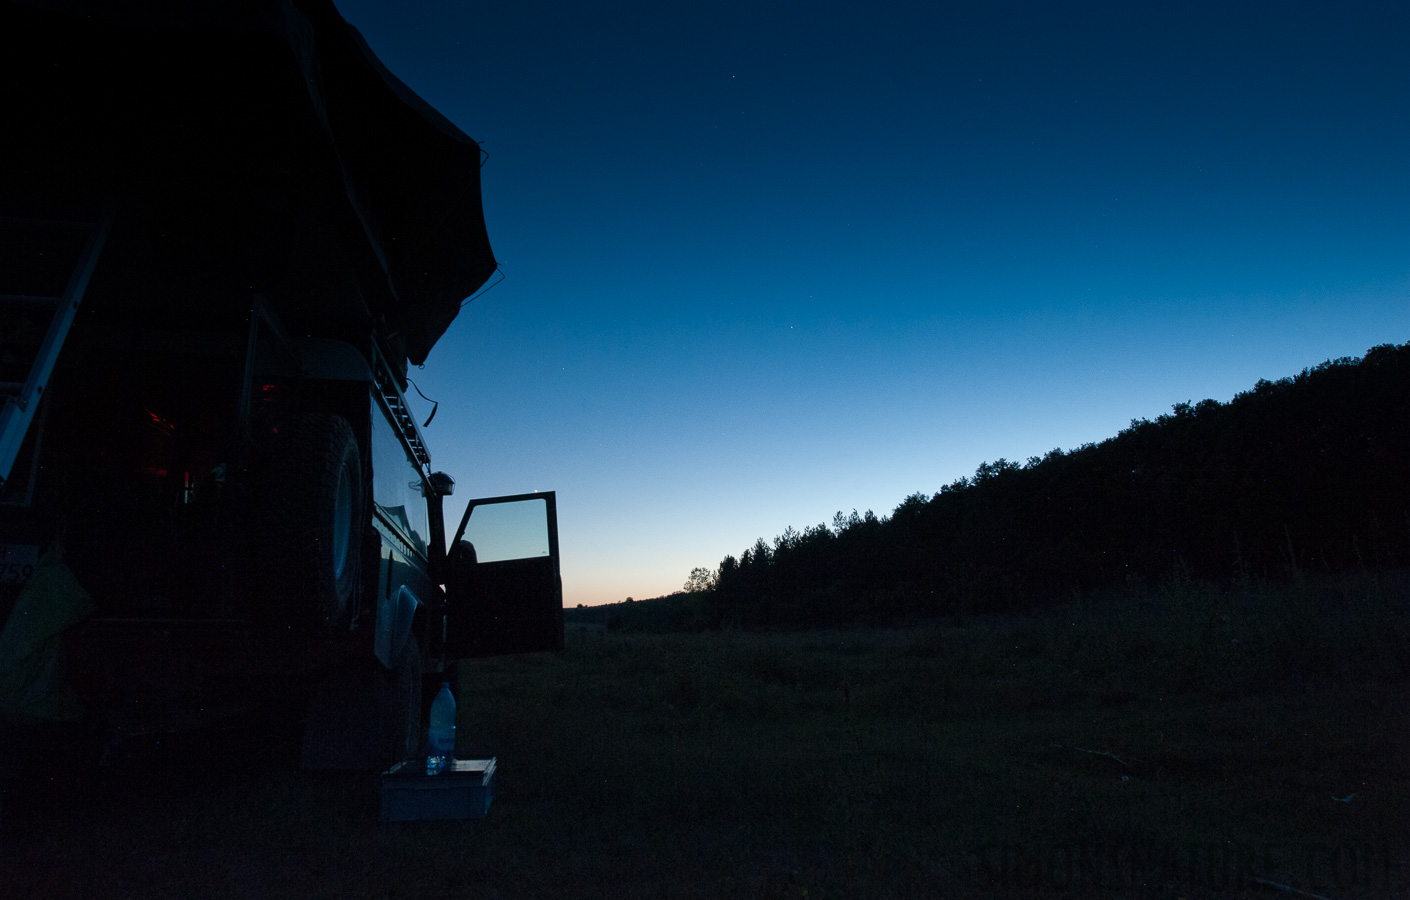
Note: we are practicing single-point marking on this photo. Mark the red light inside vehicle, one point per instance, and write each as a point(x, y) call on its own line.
point(159, 423)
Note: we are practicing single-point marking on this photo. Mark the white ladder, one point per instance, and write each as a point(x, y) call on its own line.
point(29, 240)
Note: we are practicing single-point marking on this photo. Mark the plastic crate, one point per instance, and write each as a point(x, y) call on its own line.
point(463, 791)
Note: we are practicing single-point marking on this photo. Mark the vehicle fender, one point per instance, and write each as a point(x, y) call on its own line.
point(394, 617)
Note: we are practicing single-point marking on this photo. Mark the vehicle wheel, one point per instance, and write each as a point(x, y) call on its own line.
point(309, 536)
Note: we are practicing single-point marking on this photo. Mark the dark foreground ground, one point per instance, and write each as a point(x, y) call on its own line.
point(1183, 742)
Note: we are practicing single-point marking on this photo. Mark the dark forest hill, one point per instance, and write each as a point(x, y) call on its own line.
point(1304, 475)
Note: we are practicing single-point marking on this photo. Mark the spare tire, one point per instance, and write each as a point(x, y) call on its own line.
point(310, 523)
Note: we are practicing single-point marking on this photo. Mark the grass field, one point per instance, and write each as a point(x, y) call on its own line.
point(1174, 742)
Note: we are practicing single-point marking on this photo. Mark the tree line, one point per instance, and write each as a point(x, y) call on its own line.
point(1306, 474)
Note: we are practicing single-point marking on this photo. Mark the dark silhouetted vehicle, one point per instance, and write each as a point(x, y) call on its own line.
point(227, 230)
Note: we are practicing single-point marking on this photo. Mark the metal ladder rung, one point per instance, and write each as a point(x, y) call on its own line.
point(396, 405)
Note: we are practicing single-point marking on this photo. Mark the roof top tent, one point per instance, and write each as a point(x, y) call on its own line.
point(243, 146)
point(262, 180)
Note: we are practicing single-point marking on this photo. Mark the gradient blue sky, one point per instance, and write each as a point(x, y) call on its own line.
point(770, 260)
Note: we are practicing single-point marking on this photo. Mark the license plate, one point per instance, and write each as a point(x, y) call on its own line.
point(17, 562)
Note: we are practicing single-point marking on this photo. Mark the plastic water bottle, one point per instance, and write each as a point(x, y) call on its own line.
point(440, 743)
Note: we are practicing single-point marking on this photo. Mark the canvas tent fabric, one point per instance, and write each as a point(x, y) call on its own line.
point(262, 105)
point(31, 655)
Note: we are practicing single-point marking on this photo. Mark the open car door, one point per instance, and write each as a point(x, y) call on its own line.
point(504, 593)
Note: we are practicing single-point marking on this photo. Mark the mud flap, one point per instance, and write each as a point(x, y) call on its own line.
point(362, 717)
